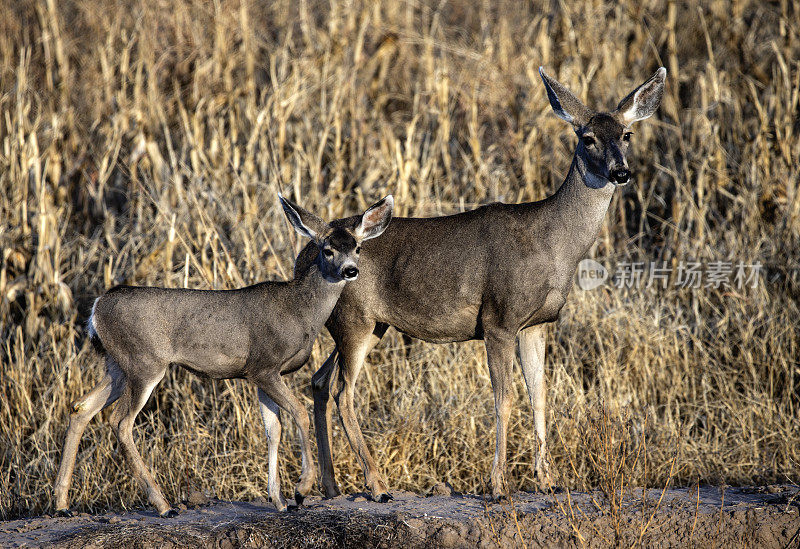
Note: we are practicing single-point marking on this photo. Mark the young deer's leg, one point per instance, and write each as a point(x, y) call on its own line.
point(321, 383)
point(276, 390)
point(531, 357)
point(133, 399)
point(354, 349)
point(500, 356)
point(104, 394)
point(272, 426)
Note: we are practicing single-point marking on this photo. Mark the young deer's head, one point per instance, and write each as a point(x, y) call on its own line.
point(339, 242)
point(604, 136)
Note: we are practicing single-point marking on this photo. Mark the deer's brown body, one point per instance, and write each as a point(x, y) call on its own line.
point(490, 273)
point(258, 333)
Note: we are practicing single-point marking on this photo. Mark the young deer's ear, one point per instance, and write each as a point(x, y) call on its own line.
point(304, 222)
point(375, 219)
point(642, 102)
point(566, 106)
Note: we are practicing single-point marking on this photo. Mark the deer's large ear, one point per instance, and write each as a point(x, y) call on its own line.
point(375, 219)
point(304, 222)
point(642, 102)
point(564, 103)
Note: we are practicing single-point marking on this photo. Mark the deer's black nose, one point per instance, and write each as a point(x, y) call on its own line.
point(620, 176)
point(350, 273)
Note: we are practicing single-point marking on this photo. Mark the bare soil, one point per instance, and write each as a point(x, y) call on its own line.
point(731, 517)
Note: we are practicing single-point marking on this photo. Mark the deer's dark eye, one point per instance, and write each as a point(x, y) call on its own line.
point(588, 140)
point(328, 253)
point(358, 249)
point(627, 136)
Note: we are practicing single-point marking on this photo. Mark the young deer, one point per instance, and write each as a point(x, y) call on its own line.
point(488, 274)
point(257, 333)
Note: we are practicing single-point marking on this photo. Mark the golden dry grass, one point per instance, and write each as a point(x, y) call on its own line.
point(144, 142)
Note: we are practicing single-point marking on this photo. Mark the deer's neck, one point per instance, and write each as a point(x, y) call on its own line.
point(579, 206)
point(314, 297)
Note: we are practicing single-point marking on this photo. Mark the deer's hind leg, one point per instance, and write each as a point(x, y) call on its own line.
point(105, 393)
point(321, 383)
point(134, 396)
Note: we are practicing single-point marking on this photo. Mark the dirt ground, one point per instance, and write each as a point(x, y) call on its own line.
point(734, 517)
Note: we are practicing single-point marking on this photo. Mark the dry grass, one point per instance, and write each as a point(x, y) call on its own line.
point(144, 142)
point(614, 449)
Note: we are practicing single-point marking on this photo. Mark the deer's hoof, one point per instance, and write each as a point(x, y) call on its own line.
point(170, 513)
point(66, 513)
point(280, 504)
point(298, 498)
point(497, 498)
point(384, 498)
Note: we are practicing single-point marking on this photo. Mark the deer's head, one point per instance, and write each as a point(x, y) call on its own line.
point(604, 136)
point(339, 242)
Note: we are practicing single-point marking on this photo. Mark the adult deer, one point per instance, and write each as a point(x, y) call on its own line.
point(489, 274)
point(258, 333)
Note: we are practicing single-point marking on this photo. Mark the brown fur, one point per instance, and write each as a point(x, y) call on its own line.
point(484, 274)
point(258, 333)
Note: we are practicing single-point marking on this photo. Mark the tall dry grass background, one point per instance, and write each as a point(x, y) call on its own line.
point(144, 143)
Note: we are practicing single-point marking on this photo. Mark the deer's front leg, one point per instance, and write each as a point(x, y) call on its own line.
point(272, 427)
point(531, 357)
point(353, 350)
point(500, 357)
point(277, 390)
